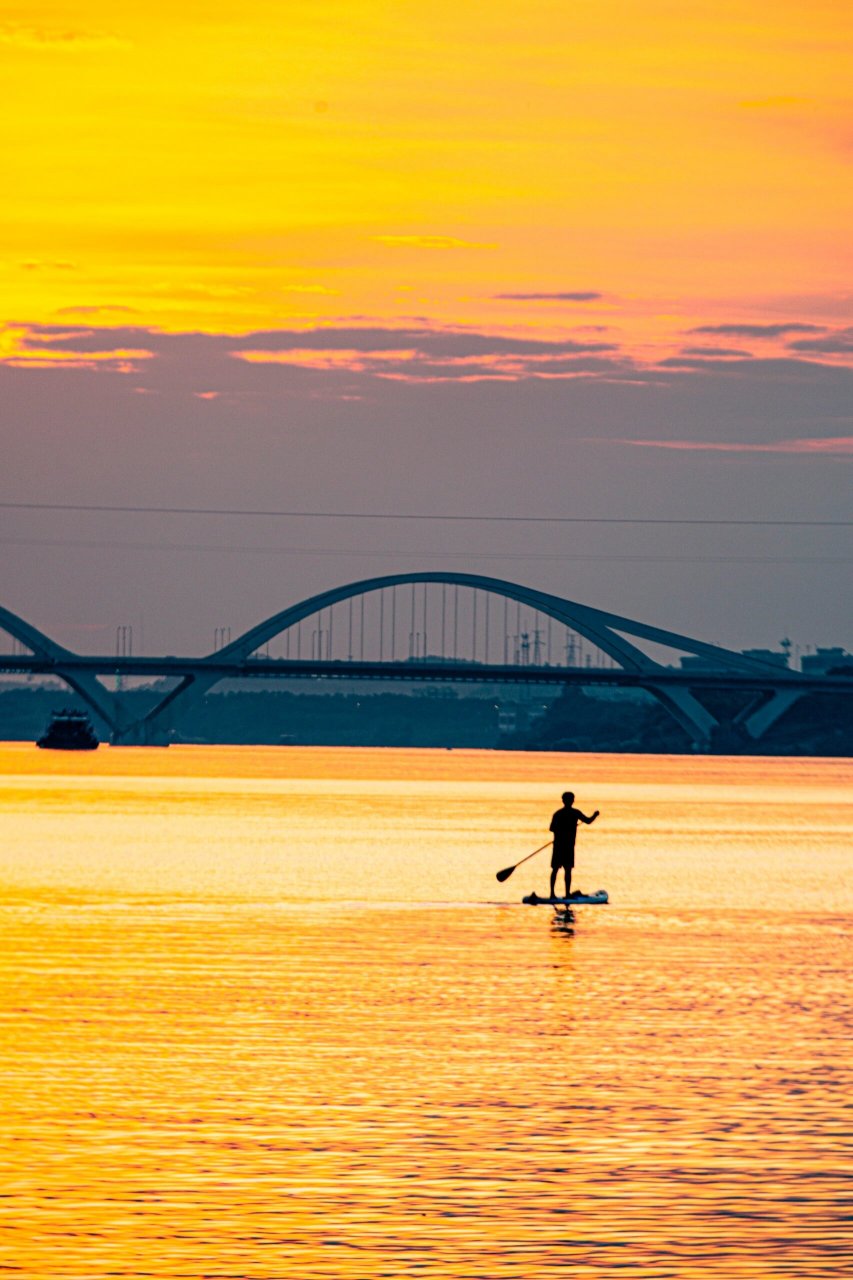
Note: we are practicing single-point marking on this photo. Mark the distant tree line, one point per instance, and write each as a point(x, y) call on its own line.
point(819, 724)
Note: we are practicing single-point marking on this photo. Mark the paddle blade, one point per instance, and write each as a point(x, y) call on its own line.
point(500, 876)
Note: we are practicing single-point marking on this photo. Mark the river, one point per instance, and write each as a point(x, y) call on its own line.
point(266, 1013)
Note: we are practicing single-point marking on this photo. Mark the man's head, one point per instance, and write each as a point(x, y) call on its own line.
point(568, 798)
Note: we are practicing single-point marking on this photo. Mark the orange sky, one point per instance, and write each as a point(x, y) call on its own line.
point(200, 168)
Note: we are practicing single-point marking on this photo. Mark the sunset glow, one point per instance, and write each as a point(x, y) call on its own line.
point(339, 257)
point(643, 168)
point(214, 1066)
point(414, 418)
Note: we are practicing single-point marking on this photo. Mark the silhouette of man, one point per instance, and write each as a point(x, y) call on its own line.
point(564, 825)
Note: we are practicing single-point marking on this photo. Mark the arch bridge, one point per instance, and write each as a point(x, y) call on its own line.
point(437, 627)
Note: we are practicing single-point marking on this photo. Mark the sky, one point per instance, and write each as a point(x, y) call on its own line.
point(568, 259)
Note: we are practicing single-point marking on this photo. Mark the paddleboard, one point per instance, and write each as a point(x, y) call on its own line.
point(597, 899)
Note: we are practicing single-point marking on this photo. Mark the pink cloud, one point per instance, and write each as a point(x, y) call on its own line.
point(341, 358)
point(824, 445)
point(118, 360)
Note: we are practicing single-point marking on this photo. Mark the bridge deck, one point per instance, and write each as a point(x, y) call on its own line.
point(422, 670)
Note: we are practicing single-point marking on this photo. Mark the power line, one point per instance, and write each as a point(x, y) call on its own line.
point(408, 515)
point(229, 548)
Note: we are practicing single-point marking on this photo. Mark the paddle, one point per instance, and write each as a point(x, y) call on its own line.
point(507, 871)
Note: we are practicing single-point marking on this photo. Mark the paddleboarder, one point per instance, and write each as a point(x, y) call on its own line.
point(564, 825)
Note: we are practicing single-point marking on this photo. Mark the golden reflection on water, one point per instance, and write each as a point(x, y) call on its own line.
point(268, 1014)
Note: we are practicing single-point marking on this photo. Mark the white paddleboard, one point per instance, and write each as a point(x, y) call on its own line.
point(597, 899)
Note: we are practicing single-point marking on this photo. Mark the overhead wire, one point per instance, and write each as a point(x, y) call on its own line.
point(503, 518)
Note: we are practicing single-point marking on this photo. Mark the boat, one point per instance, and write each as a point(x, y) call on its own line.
point(69, 731)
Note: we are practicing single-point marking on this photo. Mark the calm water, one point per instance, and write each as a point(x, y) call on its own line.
point(267, 1013)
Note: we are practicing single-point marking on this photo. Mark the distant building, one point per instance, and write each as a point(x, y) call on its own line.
point(512, 719)
point(701, 662)
point(823, 660)
point(775, 657)
point(697, 662)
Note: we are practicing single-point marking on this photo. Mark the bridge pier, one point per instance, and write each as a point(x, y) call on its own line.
point(155, 728)
point(109, 707)
point(139, 734)
point(105, 704)
point(688, 712)
point(757, 719)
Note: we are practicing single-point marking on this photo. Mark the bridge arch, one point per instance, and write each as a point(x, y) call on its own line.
point(41, 645)
point(610, 632)
point(87, 686)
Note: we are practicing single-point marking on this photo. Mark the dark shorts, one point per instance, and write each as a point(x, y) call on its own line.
point(563, 857)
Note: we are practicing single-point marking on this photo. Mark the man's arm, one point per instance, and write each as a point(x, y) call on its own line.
point(587, 820)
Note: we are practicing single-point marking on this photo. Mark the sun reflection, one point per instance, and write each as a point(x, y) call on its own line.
point(230, 1047)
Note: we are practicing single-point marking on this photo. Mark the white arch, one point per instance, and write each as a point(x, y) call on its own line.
point(610, 632)
point(606, 630)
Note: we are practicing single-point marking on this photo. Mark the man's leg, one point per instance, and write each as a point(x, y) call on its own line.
point(568, 870)
point(555, 866)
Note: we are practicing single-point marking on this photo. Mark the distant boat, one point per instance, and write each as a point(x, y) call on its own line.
point(69, 731)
